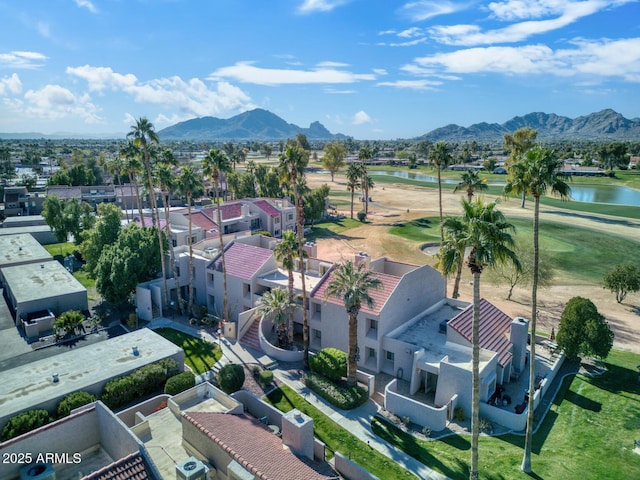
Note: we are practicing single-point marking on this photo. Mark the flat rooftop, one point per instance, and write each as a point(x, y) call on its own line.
point(35, 281)
point(279, 278)
point(20, 249)
point(31, 384)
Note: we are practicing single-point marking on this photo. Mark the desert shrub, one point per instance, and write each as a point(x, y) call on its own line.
point(25, 422)
point(459, 414)
point(179, 383)
point(330, 363)
point(73, 401)
point(485, 426)
point(426, 431)
point(231, 378)
point(266, 377)
point(338, 394)
point(362, 216)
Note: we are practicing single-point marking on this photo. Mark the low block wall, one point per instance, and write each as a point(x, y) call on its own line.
point(419, 413)
point(350, 470)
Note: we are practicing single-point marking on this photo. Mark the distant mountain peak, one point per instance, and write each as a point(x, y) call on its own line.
point(256, 124)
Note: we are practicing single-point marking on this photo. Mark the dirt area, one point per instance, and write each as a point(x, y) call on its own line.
point(394, 203)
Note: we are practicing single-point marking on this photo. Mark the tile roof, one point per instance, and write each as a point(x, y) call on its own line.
point(495, 329)
point(200, 219)
point(257, 449)
point(148, 222)
point(267, 208)
point(379, 295)
point(64, 192)
point(243, 261)
point(131, 467)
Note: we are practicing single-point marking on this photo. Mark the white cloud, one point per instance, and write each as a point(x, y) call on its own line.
point(100, 78)
point(335, 91)
point(379, 71)
point(594, 58)
point(410, 43)
point(311, 6)
point(54, 102)
point(246, 72)
point(19, 59)
point(10, 85)
point(411, 84)
point(361, 118)
point(411, 33)
point(420, 10)
point(87, 4)
point(330, 64)
point(565, 12)
point(43, 29)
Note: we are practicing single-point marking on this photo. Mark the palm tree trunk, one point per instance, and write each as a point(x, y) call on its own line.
point(366, 200)
point(526, 459)
point(156, 218)
point(290, 312)
point(352, 363)
point(456, 283)
point(139, 202)
point(190, 306)
point(174, 270)
point(352, 195)
point(475, 397)
point(225, 306)
point(300, 235)
point(440, 205)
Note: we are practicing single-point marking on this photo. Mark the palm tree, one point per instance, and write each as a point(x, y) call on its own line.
point(214, 164)
point(133, 167)
point(143, 134)
point(167, 182)
point(367, 184)
point(522, 140)
point(292, 165)
point(451, 254)
point(116, 167)
point(352, 285)
point(365, 153)
point(285, 251)
point(278, 303)
point(471, 182)
point(486, 234)
point(354, 175)
point(535, 172)
point(190, 185)
point(440, 156)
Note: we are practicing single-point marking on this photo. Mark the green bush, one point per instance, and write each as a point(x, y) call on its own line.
point(459, 415)
point(25, 422)
point(231, 378)
point(266, 377)
point(143, 381)
point(179, 383)
point(330, 363)
point(362, 216)
point(73, 401)
point(339, 395)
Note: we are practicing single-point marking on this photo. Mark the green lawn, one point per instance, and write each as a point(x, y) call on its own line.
point(575, 252)
point(337, 439)
point(201, 356)
point(61, 249)
point(332, 228)
point(588, 434)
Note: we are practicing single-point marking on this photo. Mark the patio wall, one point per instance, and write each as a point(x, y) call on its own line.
point(425, 415)
point(273, 351)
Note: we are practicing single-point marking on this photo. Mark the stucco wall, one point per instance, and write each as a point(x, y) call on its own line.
point(419, 413)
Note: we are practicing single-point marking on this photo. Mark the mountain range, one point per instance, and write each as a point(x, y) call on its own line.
point(257, 124)
point(604, 125)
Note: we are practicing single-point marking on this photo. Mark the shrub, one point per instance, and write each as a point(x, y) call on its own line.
point(231, 378)
point(266, 377)
point(426, 431)
point(459, 414)
point(362, 216)
point(73, 401)
point(338, 394)
point(179, 383)
point(485, 426)
point(25, 422)
point(330, 363)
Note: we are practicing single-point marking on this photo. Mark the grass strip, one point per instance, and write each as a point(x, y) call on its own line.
point(338, 439)
point(199, 354)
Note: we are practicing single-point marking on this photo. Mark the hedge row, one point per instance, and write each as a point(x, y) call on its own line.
point(330, 363)
point(338, 394)
point(179, 383)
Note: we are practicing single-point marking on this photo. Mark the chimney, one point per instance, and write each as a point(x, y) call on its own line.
point(311, 248)
point(519, 331)
point(362, 257)
point(297, 433)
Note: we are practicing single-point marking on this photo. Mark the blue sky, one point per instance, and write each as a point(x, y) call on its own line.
point(372, 69)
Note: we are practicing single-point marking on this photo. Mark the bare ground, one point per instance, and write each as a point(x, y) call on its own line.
point(394, 203)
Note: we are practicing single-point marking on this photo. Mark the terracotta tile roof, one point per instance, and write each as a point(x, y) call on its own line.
point(379, 295)
point(131, 467)
point(257, 449)
point(495, 329)
point(243, 261)
point(148, 222)
point(200, 219)
point(267, 208)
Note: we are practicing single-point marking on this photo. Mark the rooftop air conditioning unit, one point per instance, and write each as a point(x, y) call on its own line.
point(191, 469)
point(38, 471)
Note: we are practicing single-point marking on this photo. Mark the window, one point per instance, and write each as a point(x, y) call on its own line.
point(391, 356)
point(194, 239)
point(372, 330)
point(175, 243)
point(276, 233)
point(373, 324)
point(276, 220)
point(318, 307)
point(317, 334)
point(290, 217)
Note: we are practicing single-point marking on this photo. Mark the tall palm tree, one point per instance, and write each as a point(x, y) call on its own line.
point(352, 285)
point(365, 153)
point(190, 185)
point(292, 165)
point(167, 182)
point(522, 140)
point(277, 303)
point(451, 254)
point(143, 134)
point(214, 164)
point(487, 234)
point(133, 167)
point(471, 182)
point(116, 167)
point(367, 184)
point(535, 172)
point(440, 156)
point(353, 175)
point(285, 251)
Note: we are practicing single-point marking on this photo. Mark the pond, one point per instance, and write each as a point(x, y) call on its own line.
point(580, 193)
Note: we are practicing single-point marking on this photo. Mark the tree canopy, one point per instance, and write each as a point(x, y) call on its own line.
point(68, 217)
point(622, 280)
point(583, 330)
